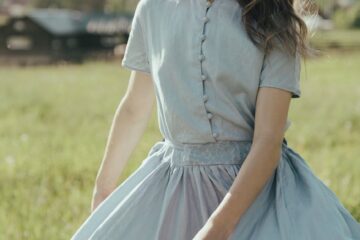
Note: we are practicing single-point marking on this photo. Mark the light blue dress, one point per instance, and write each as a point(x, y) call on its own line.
point(206, 75)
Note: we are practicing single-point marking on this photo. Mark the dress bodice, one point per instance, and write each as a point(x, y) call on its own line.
point(205, 69)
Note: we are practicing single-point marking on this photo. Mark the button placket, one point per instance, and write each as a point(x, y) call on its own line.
point(208, 3)
point(205, 98)
point(215, 135)
point(203, 38)
point(205, 19)
point(203, 77)
point(202, 58)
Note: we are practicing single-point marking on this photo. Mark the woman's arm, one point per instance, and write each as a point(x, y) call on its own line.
point(271, 114)
point(129, 123)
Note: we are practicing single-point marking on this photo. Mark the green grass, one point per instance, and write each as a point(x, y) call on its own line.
point(345, 39)
point(326, 123)
point(55, 120)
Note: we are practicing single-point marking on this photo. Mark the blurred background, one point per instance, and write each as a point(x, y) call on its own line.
point(61, 81)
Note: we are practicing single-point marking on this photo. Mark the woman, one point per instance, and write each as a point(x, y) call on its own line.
point(220, 172)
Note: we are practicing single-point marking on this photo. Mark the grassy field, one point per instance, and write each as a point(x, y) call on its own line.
point(55, 120)
point(337, 39)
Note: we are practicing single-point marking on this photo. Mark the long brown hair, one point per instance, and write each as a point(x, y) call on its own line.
point(268, 22)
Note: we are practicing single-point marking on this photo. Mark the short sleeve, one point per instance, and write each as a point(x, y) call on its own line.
point(136, 54)
point(281, 70)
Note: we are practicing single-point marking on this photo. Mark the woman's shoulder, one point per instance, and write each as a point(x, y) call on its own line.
point(146, 7)
point(151, 12)
point(151, 3)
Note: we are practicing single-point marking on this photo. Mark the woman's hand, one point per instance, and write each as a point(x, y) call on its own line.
point(212, 231)
point(99, 195)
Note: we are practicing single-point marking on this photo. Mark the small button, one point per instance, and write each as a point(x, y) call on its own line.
point(203, 37)
point(203, 77)
point(209, 115)
point(215, 135)
point(201, 57)
point(205, 98)
point(206, 19)
point(208, 3)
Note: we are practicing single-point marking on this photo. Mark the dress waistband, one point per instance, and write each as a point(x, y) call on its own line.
point(220, 152)
point(284, 141)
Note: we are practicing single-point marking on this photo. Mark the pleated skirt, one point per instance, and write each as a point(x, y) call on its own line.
point(176, 188)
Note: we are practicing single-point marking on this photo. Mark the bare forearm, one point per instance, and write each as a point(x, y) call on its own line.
point(252, 177)
point(126, 130)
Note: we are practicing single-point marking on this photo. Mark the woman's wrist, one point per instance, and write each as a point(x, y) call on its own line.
point(223, 217)
point(223, 224)
point(103, 188)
